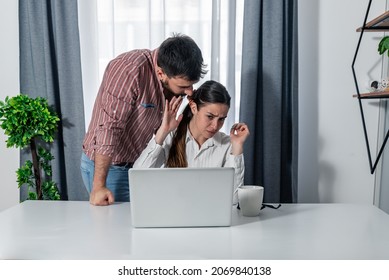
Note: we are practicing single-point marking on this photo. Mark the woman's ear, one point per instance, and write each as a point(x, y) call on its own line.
point(193, 106)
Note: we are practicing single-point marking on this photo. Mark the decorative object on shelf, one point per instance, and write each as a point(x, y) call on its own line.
point(374, 85)
point(380, 23)
point(375, 89)
point(385, 84)
point(30, 123)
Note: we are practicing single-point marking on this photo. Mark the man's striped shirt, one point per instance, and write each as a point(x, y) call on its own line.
point(128, 108)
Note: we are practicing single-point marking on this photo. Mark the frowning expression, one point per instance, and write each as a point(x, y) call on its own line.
point(207, 120)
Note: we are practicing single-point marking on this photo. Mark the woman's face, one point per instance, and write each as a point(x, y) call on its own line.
point(207, 120)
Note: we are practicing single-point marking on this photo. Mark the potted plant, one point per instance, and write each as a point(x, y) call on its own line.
point(29, 123)
point(383, 45)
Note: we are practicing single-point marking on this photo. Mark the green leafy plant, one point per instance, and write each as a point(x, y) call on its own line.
point(383, 45)
point(28, 121)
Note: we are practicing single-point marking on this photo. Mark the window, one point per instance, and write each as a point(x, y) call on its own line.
point(123, 25)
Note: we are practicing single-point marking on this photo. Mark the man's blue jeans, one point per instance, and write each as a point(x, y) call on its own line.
point(117, 179)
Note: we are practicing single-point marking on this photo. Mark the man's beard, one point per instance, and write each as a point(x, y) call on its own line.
point(167, 91)
point(165, 85)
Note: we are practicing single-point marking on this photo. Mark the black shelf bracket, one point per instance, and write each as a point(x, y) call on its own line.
point(372, 165)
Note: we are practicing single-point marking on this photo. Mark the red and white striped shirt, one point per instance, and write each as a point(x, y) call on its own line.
point(128, 108)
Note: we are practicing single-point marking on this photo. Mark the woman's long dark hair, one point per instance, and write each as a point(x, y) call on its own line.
point(209, 92)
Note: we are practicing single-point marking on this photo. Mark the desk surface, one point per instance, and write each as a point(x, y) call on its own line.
point(78, 230)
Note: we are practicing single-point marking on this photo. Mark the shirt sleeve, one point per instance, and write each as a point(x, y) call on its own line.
point(154, 155)
point(238, 163)
point(118, 88)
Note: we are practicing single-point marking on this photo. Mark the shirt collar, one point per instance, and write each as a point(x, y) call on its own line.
point(215, 140)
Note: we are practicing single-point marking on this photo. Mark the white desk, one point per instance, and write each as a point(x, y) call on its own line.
point(78, 230)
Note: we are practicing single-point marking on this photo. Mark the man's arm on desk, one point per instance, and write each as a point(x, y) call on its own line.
point(100, 194)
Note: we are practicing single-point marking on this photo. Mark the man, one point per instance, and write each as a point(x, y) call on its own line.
point(129, 108)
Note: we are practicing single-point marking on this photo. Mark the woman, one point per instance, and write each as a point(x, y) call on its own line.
point(194, 140)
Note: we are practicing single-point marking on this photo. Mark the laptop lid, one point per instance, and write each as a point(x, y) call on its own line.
point(181, 197)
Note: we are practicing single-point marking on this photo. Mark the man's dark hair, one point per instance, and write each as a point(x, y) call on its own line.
point(179, 56)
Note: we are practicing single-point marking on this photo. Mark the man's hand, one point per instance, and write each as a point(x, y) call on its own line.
point(101, 197)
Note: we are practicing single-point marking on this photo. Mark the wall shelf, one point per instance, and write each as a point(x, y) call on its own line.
point(378, 24)
point(373, 95)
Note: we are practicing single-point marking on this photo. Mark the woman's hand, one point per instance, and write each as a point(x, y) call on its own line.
point(169, 122)
point(238, 135)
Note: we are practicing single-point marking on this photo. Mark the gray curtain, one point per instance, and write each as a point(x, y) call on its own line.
point(50, 67)
point(269, 97)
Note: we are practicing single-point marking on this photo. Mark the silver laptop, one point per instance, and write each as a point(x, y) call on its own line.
point(181, 197)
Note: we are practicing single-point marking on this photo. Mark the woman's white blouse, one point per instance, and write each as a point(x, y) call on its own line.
point(215, 152)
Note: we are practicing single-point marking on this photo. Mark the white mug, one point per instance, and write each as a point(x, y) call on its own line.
point(250, 200)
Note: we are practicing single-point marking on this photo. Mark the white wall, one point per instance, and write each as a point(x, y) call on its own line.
point(333, 161)
point(9, 77)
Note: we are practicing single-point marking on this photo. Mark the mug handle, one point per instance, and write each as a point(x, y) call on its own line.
point(265, 205)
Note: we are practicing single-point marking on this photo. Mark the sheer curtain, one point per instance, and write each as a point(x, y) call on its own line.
point(111, 27)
